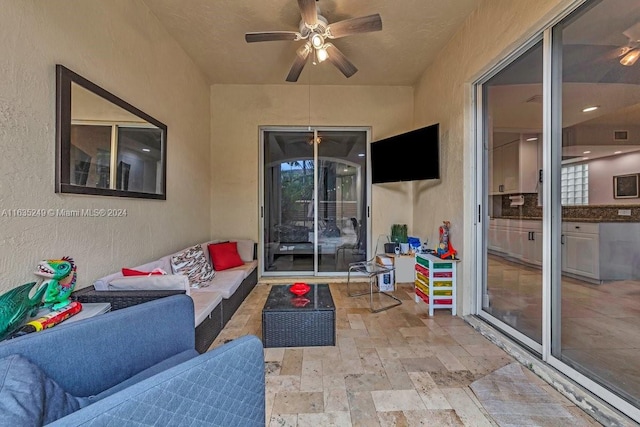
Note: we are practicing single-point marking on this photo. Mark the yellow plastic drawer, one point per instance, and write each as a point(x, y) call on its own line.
point(444, 284)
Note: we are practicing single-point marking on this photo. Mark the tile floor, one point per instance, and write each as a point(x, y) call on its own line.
point(398, 367)
point(599, 322)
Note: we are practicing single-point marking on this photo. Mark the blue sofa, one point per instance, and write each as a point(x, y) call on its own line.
point(134, 366)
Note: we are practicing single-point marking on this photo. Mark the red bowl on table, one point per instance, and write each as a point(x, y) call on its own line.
point(299, 289)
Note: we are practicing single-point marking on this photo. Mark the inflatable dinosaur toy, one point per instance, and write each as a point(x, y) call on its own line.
point(60, 279)
point(17, 304)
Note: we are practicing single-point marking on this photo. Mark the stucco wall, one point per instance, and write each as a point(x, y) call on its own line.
point(119, 45)
point(444, 94)
point(237, 111)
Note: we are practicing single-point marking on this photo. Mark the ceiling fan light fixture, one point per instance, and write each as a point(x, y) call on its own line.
point(631, 57)
point(321, 54)
point(304, 50)
point(317, 140)
point(317, 41)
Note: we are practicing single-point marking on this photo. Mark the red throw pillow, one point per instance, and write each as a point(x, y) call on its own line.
point(132, 272)
point(225, 255)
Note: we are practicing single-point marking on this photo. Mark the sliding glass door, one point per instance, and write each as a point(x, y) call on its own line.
point(597, 305)
point(314, 200)
point(512, 128)
point(559, 133)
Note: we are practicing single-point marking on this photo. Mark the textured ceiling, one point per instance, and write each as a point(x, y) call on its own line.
point(212, 33)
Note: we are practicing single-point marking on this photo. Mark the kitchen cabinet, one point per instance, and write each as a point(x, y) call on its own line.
point(496, 241)
point(514, 168)
point(581, 249)
point(595, 252)
point(517, 239)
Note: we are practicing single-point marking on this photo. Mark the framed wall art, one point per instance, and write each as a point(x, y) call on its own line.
point(625, 186)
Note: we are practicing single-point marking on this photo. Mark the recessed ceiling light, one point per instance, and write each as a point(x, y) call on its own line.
point(617, 152)
point(146, 150)
point(532, 138)
point(592, 108)
point(586, 152)
point(361, 155)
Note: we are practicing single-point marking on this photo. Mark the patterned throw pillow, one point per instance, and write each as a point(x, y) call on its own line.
point(193, 263)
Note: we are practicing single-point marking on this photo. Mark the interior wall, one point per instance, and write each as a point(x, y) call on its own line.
point(601, 173)
point(237, 112)
point(444, 95)
point(120, 46)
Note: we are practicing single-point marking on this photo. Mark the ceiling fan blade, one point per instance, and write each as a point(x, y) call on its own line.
point(268, 36)
point(298, 65)
point(308, 12)
point(341, 62)
point(363, 24)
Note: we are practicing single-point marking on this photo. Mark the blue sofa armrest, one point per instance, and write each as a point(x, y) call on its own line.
point(223, 387)
point(93, 355)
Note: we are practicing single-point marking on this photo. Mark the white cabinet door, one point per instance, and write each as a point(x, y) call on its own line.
point(492, 239)
point(495, 171)
point(497, 239)
point(580, 254)
point(536, 248)
point(528, 167)
point(517, 242)
point(510, 165)
point(532, 248)
point(514, 168)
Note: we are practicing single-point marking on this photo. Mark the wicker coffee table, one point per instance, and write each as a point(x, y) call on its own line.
point(291, 321)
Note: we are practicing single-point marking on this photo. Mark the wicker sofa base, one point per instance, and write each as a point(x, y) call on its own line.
point(120, 299)
point(208, 330)
point(230, 305)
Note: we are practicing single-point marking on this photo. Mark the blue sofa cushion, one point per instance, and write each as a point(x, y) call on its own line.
point(29, 397)
point(223, 387)
point(148, 373)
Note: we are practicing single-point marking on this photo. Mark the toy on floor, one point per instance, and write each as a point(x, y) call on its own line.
point(60, 279)
point(18, 304)
point(445, 248)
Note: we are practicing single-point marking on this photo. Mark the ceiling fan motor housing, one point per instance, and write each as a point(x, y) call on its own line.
point(321, 26)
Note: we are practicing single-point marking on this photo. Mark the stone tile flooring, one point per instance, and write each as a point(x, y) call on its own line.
point(398, 367)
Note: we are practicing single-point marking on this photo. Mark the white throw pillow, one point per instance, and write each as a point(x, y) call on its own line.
point(245, 250)
point(150, 283)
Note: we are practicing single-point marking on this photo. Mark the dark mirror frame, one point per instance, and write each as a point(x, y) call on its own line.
point(64, 78)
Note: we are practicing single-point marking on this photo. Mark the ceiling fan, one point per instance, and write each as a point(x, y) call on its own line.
point(316, 30)
point(631, 52)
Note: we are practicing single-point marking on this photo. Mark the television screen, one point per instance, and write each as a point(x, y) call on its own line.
point(410, 156)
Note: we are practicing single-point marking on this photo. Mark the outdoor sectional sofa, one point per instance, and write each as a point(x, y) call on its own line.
point(215, 302)
point(132, 367)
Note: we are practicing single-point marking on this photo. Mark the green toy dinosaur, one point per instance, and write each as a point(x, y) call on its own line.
point(17, 304)
point(60, 279)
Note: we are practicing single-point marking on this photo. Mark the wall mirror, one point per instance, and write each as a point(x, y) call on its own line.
point(105, 146)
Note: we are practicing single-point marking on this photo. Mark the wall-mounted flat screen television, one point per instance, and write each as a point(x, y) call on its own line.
point(410, 156)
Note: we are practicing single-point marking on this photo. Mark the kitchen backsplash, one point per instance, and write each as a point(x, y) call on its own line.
point(530, 210)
